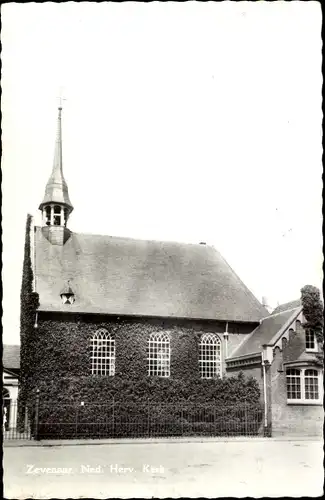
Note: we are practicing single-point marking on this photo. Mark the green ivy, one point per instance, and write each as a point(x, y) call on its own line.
point(312, 308)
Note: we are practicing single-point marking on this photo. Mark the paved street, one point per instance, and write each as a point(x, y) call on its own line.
point(165, 469)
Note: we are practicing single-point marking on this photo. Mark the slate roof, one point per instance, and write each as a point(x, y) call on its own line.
point(265, 332)
point(288, 305)
point(11, 356)
point(124, 276)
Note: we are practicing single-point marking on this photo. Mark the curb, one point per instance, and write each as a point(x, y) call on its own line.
point(97, 442)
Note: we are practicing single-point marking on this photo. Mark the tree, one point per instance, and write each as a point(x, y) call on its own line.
point(312, 308)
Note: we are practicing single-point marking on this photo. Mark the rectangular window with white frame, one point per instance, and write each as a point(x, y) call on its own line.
point(304, 385)
point(311, 342)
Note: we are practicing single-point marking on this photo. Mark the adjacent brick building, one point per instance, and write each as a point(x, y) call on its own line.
point(285, 358)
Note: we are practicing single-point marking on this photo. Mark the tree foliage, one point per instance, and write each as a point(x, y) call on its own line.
point(29, 303)
point(312, 308)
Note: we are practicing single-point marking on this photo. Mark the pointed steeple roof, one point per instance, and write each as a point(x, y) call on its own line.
point(56, 190)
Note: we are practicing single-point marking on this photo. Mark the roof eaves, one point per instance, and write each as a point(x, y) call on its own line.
point(71, 310)
point(300, 362)
point(245, 356)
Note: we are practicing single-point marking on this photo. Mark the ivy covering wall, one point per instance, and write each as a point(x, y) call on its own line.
point(313, 311)
point(61, 363)
point(29, 303)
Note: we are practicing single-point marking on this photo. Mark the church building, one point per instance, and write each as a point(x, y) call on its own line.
point(121, 308)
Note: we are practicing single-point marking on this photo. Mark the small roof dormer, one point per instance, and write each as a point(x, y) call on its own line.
point(67, 294)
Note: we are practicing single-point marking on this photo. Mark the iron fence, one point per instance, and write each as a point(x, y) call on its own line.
point(145, 420)
point(116, 419)
point(16, 422)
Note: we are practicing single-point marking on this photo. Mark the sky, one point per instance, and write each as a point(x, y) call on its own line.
point(186, 122)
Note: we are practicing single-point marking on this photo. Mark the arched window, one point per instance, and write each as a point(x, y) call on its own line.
point(304, 385)
point(159, 355)
point(102, 346)
point(210, 356)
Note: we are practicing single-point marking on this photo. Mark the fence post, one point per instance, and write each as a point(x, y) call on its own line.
point(26, 420)
point(148, 429)
point(113, 416)
point(36, 437)
point(77, 413)
point(246, 421)
point(106, 421)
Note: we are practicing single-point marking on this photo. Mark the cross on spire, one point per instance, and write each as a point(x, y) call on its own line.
point(61, 98)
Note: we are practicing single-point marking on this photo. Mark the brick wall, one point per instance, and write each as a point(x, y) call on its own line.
point(56, 235)
point(291, 419)
point(283, 418)
point(296, 344)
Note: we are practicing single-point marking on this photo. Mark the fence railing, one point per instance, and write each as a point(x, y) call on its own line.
point(146, 419)
point(116, 419)
point(15, 421)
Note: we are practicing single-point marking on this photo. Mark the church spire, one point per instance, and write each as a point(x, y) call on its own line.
point(56, 190)
point(56, 205)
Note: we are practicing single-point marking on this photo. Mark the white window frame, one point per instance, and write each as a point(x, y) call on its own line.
point(102, 365)
point(210, 365)
point(311, 349)
point(57, 214)
point(302, 378)
point(159, 355)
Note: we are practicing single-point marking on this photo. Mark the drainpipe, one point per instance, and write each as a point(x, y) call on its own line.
point(264, 387)
point(225, 336)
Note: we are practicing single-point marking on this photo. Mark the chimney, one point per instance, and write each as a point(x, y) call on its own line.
point(265, 304)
